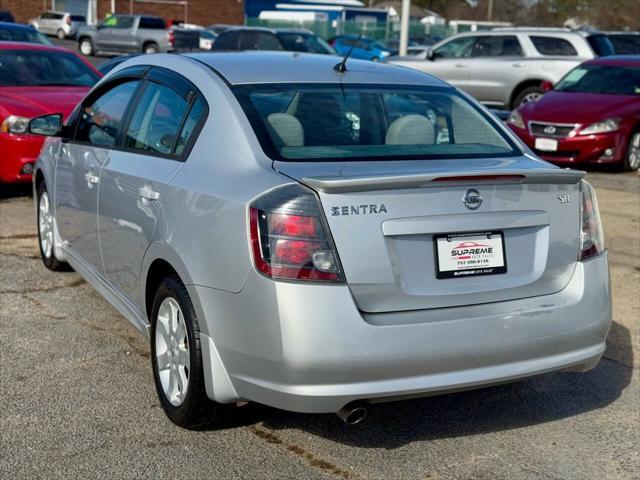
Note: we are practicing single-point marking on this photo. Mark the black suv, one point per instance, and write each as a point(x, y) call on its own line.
point(293, 40)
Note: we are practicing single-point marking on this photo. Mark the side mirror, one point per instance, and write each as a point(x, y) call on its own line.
point(546, 86)
point(46, 125)
point(431, 54)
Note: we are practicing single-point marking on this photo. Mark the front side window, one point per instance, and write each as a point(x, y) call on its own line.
point(156, 122)
point(365, 122)
point(116, 21)
point(458, 48)
point(21, 68)
point(100, 121)
point(608, 79)
point(498, 46)
point(553, 46)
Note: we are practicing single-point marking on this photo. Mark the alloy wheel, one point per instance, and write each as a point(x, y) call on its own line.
point(85, 47)
point(634, 152)
point(172, 351)
point(530, 97)
point(45, 225)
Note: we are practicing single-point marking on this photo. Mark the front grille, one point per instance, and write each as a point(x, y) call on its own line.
point(554, 131)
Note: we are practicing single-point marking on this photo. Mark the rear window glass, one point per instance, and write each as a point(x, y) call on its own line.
point(152, 23)
point(363, 122)
point(553, 46)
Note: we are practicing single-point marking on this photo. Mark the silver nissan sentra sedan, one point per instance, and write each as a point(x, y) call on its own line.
point(315, 239)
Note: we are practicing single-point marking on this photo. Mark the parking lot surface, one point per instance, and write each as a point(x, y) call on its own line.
point(78, 399)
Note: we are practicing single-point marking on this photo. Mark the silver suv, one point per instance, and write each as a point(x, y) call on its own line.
point(60, 24)
point(505, 67)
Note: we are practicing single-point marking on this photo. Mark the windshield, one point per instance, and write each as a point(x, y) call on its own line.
point(23, 35)
point(297, 42)
point(611, 79)
point(43, 68)
point(369, 122)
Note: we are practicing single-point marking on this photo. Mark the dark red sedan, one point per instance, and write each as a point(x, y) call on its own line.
point(592, 116)
point(35, 80)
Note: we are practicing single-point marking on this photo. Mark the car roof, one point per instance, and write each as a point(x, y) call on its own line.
point(295, 67)
point(617, 60)
point(32, 46)
point(236, 28)
point(15, 26)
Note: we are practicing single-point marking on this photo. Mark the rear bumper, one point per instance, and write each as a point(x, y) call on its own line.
point(15, 152)
point(307, 348)
point(581, 150)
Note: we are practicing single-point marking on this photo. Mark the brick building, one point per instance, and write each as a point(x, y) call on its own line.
point(202, 12)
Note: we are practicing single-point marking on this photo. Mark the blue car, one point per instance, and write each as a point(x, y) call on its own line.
point(14, 32)
point(363, 48)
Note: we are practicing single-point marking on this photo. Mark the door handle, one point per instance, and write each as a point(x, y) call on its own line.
point(148, 194)
point(91, 179)
point(461, 65)
point(518, 65)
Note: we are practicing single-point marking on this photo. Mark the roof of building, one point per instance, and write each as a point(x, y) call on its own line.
point(295, 67)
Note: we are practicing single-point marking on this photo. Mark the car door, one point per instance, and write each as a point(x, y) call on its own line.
point(107, 37)
point(45, 23)
point(496, 66)
point(122, 35)
point(79, 168)
point(154, 143)
point(451, 61)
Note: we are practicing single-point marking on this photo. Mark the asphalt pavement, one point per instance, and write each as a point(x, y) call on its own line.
point(78, 399)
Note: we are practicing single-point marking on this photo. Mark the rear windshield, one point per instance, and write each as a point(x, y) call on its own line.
point(23, 35)
point(369, 122)
point(611, 79)
point(42, 68)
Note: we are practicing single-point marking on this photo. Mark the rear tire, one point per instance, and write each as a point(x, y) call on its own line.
point(46, 235)
point(151, 48)
point(85, 45)
point(61, 35)
point(176, 358)
point(632, 157)
point(529, 94)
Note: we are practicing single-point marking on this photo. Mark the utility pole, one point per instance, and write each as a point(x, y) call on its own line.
point(404, 27)
point(490, 10)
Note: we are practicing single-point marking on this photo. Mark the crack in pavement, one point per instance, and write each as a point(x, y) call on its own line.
point(328, 467)
point(54, 288)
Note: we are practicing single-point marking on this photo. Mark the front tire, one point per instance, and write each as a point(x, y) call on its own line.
point(85, 45)
point(46, 235)
point(176, 357)
point(632, 157)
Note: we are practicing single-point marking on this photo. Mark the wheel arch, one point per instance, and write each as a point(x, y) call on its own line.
point(531, 82)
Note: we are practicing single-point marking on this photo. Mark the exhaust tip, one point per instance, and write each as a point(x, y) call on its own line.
point(352, 414)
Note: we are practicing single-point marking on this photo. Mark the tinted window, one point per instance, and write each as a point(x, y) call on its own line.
point(458, 48)
point(23, 35)
point(47, 16)
point(497, 46)
point(600, 45)
point(553, 46)
point(297, 42)
point(626, 44)
point(259, 41)
point(152, 22)
point(190, 124)
point(155, 124)
point(78, 18)
point(42, 68)
point(227, 41)
point(363, 122)
point(100, 121)
point(611, 79)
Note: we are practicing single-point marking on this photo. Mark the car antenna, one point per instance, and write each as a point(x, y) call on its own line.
point(342, 66)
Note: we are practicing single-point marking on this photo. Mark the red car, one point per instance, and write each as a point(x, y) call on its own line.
point(592, 116)
point(35, 80)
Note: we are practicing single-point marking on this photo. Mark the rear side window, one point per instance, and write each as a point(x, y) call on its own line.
point(78, 18)
point(625, 44)
point(100, 121)
point(227, 41)
point(259, 41)
point(458, 48)
point(553, 46)
point(498, 46)
point(190, 124)
point(152, 23)
point(156, 122)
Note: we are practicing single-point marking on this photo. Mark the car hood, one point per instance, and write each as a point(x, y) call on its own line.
point(573, 107)
point(34, 101)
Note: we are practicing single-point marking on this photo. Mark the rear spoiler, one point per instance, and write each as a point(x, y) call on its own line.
point(425, 180)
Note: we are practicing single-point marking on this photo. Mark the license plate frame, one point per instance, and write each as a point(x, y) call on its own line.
point(496, 260)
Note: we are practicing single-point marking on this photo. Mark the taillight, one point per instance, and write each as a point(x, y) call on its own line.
point(171, 36)
point(592, 235)
point(290, 238)
point(68, 20)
